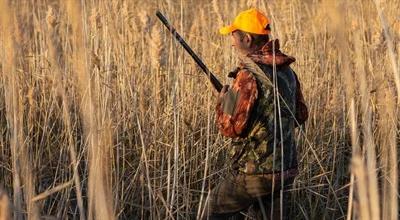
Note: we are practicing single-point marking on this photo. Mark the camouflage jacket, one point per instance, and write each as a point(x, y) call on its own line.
point(260, 119)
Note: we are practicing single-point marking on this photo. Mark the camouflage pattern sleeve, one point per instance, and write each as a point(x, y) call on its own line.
point(234, 108)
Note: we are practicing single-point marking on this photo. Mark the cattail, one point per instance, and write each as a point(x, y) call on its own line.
point(202, 22)
point(194, 29)
point(203, 26)
point(145, 21)
point(217, 11)
point(51, 18)
point(95, 19)
point(252, 3)
point(157, 56)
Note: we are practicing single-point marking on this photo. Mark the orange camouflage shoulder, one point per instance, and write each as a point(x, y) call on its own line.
point(233, 111)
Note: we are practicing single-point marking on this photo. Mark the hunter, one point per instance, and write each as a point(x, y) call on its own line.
point(259, 112)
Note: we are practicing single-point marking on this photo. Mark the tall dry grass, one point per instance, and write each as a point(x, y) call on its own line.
point(103, 115)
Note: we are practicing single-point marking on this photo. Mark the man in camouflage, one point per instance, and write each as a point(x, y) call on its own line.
point(259, 111)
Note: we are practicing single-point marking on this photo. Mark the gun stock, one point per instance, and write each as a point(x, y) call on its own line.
point(214, 81)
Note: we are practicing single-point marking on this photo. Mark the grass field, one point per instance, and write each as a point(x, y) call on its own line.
point(104, 116)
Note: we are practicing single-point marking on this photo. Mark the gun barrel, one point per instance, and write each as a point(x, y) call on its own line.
point(214, 81)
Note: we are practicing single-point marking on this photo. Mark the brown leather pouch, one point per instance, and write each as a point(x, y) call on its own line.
point(229, 102)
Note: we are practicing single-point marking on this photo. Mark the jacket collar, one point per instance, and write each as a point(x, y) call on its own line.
point(266, 55)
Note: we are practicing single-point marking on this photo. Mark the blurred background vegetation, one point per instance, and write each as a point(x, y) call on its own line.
point(103, 115)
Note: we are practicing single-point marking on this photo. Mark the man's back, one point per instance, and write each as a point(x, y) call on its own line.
point(268, 141)
point(258, 112)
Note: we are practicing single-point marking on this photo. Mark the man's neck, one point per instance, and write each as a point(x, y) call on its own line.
point(253, 49)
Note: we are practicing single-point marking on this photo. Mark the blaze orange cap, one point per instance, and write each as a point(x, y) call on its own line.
point(251, 21)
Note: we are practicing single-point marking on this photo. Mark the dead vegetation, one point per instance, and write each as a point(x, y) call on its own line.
point(103, 115)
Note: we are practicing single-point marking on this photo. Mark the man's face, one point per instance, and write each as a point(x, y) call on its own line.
point(242, 43)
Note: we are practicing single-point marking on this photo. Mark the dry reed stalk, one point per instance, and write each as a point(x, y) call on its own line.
point(387, 127)
point(168, 154)
point(146, 169)
point(203, 206)
point(176, 136)
point(388, 159)
point(55, 50)
point(356, 152)
point(360, 174)
point(390, 47)
point(51, 191)
point(21, 39)
point(11, 101)
point(358, 171)
point(97, 132)
point(368, 142)
point(365, 178)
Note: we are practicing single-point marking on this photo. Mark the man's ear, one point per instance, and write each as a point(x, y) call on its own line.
point(248, 40)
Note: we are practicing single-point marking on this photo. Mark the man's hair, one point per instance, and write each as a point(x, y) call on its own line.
point(257, 39)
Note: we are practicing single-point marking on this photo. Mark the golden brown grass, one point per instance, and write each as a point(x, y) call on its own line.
point(103, 115)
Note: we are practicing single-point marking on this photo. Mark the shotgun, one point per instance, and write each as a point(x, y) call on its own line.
point(214, 81)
